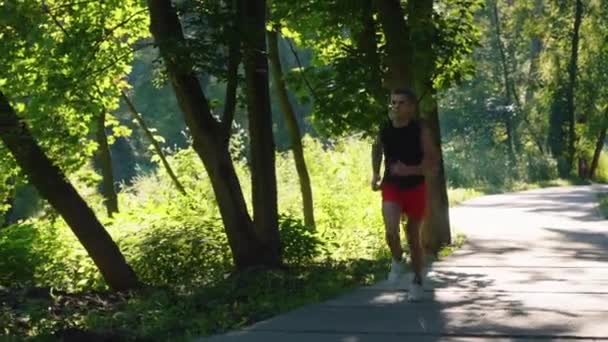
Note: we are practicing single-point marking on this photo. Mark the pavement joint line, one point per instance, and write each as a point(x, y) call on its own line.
point(419, 334)
point(520, 267)
point(423, 305)
point(499, 292)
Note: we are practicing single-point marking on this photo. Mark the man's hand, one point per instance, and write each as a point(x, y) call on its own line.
point(376, 182)
point(400, 169)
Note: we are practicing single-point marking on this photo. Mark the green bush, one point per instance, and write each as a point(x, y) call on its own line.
point(603, 205)
point(177, 244)
point(178, 241)
point(601, 173)
point(39, 253)
point(541, 168)
point(299, 242)
point(477, 164)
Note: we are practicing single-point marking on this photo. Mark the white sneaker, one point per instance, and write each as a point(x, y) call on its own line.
point(397, 271)
point(416, 291)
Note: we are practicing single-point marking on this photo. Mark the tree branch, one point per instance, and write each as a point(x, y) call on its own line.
point(303, 75)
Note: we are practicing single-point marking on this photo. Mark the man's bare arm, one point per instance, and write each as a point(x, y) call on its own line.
point(376, 162)
point(376, 156)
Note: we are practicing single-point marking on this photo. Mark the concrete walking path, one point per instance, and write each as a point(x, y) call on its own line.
point(535, 267)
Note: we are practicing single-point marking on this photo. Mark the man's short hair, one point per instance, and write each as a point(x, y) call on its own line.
point(408, 93)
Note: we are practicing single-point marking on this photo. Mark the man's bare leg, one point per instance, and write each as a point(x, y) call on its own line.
point(392, 217)
point(414, 241)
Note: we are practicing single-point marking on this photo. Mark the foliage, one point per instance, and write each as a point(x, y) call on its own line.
point(176, 245)
point(175, 242)
point(345, 78)
point(61, 66)
point(603, 204)
point(601, 174)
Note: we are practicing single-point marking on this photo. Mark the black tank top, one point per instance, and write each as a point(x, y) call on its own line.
point(402, 144)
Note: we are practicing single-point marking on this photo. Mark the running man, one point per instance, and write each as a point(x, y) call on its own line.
point(409, 154)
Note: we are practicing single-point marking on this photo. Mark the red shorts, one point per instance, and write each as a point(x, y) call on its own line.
point(411, 200)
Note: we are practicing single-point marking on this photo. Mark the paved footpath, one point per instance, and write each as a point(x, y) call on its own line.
point(535, 267)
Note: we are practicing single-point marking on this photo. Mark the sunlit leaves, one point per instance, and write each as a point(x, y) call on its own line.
point(347, 90)
point(62, 60)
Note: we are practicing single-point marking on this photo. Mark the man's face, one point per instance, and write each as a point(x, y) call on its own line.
point(401, 107)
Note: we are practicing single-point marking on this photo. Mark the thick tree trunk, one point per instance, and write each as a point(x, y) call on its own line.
point(436, 230)
point(155, 144)
point(52, 184)
point(263, 173)
point(367, 44)
point(398, 46)
point(572, 71)
point(104, 158)
point(211, 144)
point(292, 127)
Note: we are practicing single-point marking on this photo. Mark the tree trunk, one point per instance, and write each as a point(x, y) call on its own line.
point(367, 44)
point(536, 47)
point(572, 71)
point(211, 144)
point(52, 184)
point(104, 158)
point(599, 145)
point(155, 144)
point(436, 229)
point(292, 127)
point(510, 125)
point(398, 46)
point(234, 60)
point(263, 173)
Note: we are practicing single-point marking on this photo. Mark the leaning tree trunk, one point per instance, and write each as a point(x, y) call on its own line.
point(263, 173)
point(155, 144)
point(436, 230)
point(104, 158)
point(292, 127)
point(210, 141)
point(599, 145)
point(52, 184)
point(572, 71)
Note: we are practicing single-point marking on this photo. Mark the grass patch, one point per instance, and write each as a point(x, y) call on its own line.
point(459, 195)
point(179, 314)
point(164, 314)
point(458, 242)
